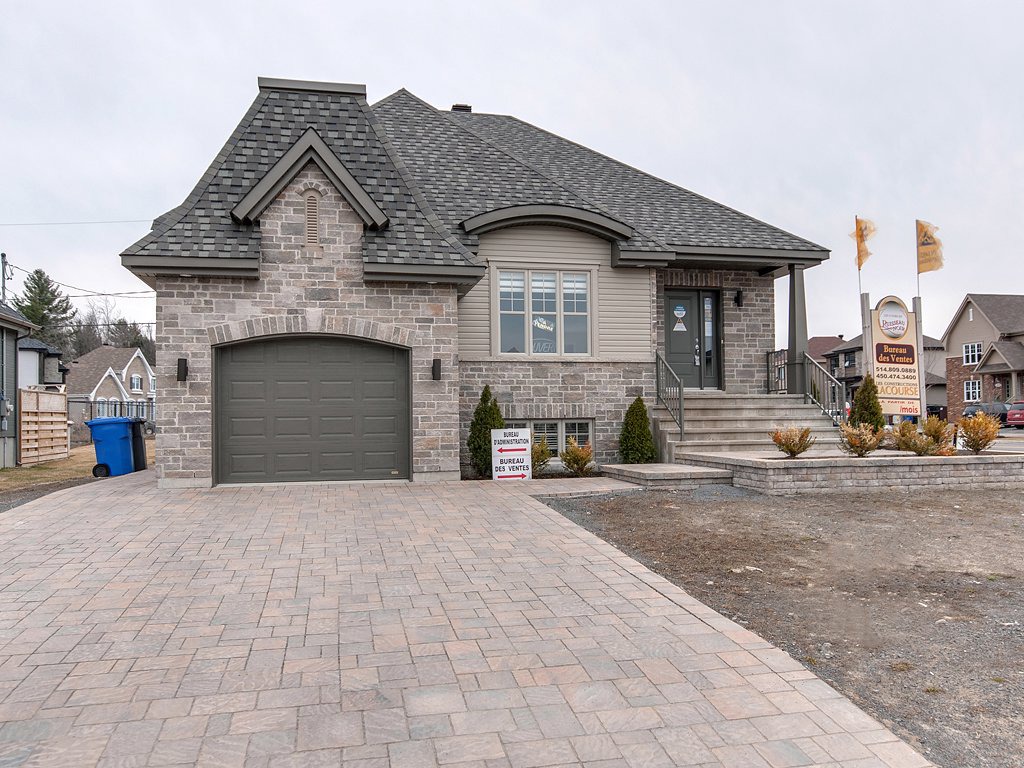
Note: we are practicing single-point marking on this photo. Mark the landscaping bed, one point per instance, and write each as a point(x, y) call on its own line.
point(910, 604)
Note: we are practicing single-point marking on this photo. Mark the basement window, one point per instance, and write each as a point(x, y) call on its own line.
point(557, 433)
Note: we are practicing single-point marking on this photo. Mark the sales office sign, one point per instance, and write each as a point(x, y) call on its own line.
point(511, 457)
point(894, 347)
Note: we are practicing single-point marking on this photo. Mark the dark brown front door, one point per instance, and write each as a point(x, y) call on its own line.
point(692, 344)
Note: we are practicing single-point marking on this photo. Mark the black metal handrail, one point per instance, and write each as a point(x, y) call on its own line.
point(669, 390)
point(825, 390)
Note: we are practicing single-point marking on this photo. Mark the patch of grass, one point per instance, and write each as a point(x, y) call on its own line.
point(933, 690)
point(901, 666)
point(998, 679)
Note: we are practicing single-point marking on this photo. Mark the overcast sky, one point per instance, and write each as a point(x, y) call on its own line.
point(802, 114)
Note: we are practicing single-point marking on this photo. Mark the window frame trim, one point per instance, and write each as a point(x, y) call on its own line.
point(974, 399)
point(976, 348)
point(494, 277)
point(560, 422)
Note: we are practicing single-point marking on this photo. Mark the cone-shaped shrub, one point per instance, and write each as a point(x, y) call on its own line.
point(636, 443)
point(866, 408)
point(486, 417)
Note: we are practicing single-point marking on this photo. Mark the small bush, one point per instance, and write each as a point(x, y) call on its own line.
point(979, 431)
point(909, 439)
point(636, 443)
point(941, 433)
point(576, 458)
point(792, 441)
point(541, 456)
point(860, 440)
point(486, 417)
point(866, 408)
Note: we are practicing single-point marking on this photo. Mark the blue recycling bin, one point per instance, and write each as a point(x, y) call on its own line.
point(113, 440)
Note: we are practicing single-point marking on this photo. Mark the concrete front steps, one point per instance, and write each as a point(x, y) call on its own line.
point(717, 422)
point(674, 476)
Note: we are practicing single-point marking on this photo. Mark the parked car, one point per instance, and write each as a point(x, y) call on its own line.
point(998, 410)
point(1015, 416)
point(938, 410)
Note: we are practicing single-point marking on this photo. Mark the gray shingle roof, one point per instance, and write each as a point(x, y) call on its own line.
point(667, 212)
point(11, 315)
point(202, 225)
point(1005, 312)
point(1012, 352)
point(429, 171)
point(35, 344)
point(85, 372)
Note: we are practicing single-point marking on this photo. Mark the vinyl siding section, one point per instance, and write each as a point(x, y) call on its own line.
point(622, 299)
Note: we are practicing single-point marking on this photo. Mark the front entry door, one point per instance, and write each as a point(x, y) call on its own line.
point(692, 337)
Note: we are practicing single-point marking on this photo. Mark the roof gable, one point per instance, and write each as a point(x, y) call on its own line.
point(112, 375)
point(309, 148)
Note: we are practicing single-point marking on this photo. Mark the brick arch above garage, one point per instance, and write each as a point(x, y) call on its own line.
point(311, 321)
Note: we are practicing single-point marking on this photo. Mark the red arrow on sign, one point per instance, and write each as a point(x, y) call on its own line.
point(511, 450)
point(502, 477)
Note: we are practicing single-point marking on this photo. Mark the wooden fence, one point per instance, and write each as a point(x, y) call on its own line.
point(43, 426)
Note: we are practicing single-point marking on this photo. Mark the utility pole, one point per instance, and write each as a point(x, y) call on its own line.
point(3, 278)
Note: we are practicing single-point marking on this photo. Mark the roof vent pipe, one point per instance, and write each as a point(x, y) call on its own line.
point(462, 107)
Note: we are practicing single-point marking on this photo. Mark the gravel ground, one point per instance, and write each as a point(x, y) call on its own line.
point(911, 605)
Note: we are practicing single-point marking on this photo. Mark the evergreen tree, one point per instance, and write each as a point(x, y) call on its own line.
point(866, 408)
point(85, 336)
point(486, 417)
point(125, 334)
point(636, 443)
point(44, 305)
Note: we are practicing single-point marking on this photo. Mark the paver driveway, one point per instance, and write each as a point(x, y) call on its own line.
point(456, 624)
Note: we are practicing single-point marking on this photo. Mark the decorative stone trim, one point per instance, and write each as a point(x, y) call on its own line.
point(555, 410)
point(310, 321)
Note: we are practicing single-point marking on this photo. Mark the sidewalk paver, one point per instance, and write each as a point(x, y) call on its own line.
point(459, 624)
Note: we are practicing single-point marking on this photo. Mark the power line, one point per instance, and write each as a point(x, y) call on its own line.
point(85, 291)
point(100, 325)
point(70, 223)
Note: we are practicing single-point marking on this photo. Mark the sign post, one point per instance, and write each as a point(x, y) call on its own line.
point(511, 454)
point(895, 357)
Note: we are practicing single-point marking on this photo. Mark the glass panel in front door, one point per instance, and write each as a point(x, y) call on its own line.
point(709, 328)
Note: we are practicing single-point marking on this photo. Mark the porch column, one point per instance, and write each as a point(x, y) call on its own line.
point(796, 376)
point(1015, 385)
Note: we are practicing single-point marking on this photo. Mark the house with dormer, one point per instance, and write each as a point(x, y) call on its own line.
point(345, 278)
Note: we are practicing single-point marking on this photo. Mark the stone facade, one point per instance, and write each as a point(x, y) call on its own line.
point(884, 471)
point(748, 332)
point(597, 392)
point(306, 290)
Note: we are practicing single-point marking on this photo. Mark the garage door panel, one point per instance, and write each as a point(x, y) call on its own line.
point(304, 408)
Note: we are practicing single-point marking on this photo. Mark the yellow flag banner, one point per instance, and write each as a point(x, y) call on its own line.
point(864, 230)
point(929, 248)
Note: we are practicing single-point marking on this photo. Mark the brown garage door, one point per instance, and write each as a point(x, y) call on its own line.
point(311, 408)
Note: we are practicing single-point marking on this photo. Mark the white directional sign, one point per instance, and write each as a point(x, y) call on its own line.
point(511, 458)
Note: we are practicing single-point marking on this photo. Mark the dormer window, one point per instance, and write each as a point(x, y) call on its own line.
point(136, 382)
point(312, 200)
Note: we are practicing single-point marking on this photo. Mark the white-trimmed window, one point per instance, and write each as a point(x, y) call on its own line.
point(849, 360)
point(311, 201)
point(101, 407)
point(152, 383)
point(136, 383)
point(972, 353)
point(557, 432)
point(543, 312)
point(972, 391)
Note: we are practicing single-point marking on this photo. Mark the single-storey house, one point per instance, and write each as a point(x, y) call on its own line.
point(344, 280)
point(109, 381)
point(13, 326)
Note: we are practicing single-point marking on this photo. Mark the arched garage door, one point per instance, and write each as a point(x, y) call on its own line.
point(311, 408)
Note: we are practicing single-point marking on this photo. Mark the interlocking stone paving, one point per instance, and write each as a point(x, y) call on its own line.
point(460, 624)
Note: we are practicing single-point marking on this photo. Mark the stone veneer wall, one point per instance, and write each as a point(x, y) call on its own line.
point(748, 331)
point(885, 471)
point(600, 392)
point(302, 290)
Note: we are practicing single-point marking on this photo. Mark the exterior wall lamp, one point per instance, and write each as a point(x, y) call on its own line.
point(738, 298)
point(435, 369)
point(182, 369)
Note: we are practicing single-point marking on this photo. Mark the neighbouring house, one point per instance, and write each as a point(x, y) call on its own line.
point(845, 362)
point(985, 344)
point(13, 326)
point(344, 280)
point(109, 381)
point(819, 346)
point(39, 365)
